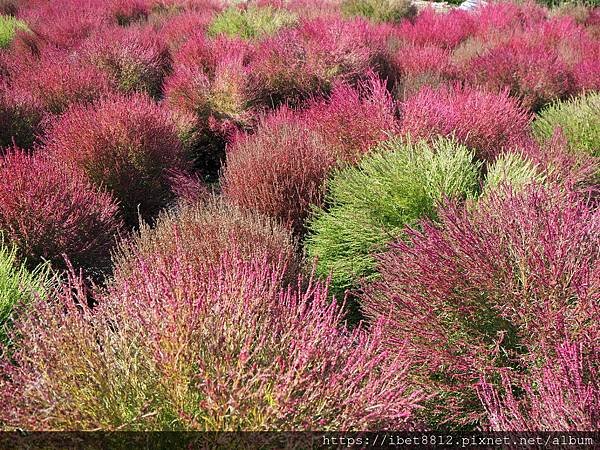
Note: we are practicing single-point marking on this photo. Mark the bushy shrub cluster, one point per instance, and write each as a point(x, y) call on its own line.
point(50, 212)
point(8, 27)
point(125, 144)
point(379, 10)
point(492, 287)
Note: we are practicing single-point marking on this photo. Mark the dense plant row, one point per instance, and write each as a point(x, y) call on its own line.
point(324, 215)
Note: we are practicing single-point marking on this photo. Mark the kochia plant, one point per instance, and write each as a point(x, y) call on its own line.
point(48, 211)
point(369, 205)
point(579, 120)
point(227, 349)
point(126, 144)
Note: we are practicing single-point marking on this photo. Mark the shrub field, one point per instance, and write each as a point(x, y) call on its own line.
point(299, 215)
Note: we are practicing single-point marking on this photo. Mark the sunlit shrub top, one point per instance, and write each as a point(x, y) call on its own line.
point(252, 22)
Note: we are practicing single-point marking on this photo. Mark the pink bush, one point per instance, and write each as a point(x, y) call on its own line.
point(127, 144)
point(306, 60)
point(136, 59)
point(57, 81)
point(507, 17)
point(353, 120)
point(48, 212)
point(125, 12)
point(533, 73)
point(228, 350)
point(486, 122)
point(20, 119)
point(443, 30)
point(562, 395)
point(418, 66)
point(490, 287)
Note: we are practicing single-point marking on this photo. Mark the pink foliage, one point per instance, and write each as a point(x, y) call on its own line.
point(136, 59)
point(488, 288)
point(486, 122)
point(443, 30)
point(126, 144)
point(239, 350)
point(533, 73)
point(48, 212)
point(563, 395)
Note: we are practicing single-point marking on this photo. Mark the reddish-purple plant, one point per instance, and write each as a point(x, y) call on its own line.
point(534, 73)
point(353, 120)
point(229, 349)
point(418, 66)
point(48, 212)
point(486, 122)
point(279, 170)
point(563, 395)
point(57, 81)
point(126, 144)
point(125, 12)
point(490, 287)
point(443, 30)
point(507, 17)
point(20, 119)
point(136, 59)
point(306, 60)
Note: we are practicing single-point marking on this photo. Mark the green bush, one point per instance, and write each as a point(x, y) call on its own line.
point(250, 23)
point(513, 169)
point(8, 27)
point(369, 205)
point(379, 10)
point(17, 286)
point(579, 119)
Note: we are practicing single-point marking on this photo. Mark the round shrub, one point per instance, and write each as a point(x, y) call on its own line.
point(47, 212)
point(225, 351)
point(18, 287)
point(379, 10)
point(251, 22)
point(200, 233)
point(20, 119)
point(488, 289)
point(279, 170)
point(126, 144)
point(579, 120)
point(137, 60)
point(486, 122)
point(371, 204)
point(126, 12)
point(9, 26)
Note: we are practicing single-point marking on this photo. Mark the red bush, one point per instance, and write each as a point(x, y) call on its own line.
point(353, 120)
point(20, 119)
point(127, 144)
point(125, 12)
point(533, 73)
point(305, 61)
point(443, 30)
point(418, 66)
point(491, 287)
point(486, 122)
point(57, 81)
point(279, 170)
point(47, 211)
point(136, 59)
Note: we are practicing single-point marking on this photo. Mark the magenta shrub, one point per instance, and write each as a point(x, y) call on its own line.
point(564, 394)
point(126, 12)
point(48, 211)
point(487, 122)
point(20, 119)
point(279, 170)
point(135, 58)
point(491, 287)
point(126, 144)
point(228, 350)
